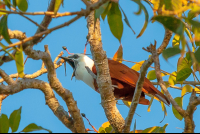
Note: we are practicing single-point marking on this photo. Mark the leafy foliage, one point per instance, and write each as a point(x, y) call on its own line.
point(14, 121)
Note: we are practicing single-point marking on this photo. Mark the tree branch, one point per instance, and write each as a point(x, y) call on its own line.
point(103, 75)
point(51, 101)
point(139, 85)
point(57, 86)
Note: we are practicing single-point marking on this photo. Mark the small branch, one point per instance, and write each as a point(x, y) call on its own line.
point(86, 2)
point(161, 82)
point(39, 72)
point(189, 122)
point(89, 122)
point(6, 78)
point(147, 63)
point(2, 97)
point(15, 34)
point(51, 101)
point(184, 82)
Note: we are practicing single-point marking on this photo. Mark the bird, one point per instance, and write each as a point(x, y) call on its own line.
point(123, 78)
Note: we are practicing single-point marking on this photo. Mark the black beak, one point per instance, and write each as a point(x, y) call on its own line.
point(69, 61)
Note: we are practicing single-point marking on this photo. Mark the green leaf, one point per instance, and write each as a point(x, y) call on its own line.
point(115, 21)
point(175, 112)
point(101, 10)
point(14, 3)
point(33, 127)
point(126, 20)
point(146, 17)
point(173, 5)
point(155, 129)
point(171, 23)
point(134, 129)
point(197, 55)
point(22, 5)
point(4, 124)
point(137, 66)
point(169, 52)
point(183, 74)
point(194, 23)
point(57, 5)
point(104, 14)
point(102, 130)
point(151, 75)
point(183, 63)
point(19, 60)
point(7, 2)
point(4, 29)
point(14, 119)
point(119, 54)
point(172, 79)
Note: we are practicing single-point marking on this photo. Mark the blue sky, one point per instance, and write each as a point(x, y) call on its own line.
point(32, 101)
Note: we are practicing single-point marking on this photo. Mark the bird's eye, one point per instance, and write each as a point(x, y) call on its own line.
point(76, 56)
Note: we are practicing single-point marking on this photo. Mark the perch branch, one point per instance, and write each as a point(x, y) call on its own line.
point(138, 90)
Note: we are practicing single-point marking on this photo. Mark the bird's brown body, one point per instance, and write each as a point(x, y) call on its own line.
point(125, 80)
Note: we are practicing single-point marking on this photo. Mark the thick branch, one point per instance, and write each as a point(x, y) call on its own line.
point(103, 75)
point(51, 101)
point(57, 86)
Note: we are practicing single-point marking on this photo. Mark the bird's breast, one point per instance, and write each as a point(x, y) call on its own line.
point(82, 74)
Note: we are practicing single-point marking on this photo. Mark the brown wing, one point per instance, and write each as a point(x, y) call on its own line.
point(126, 78)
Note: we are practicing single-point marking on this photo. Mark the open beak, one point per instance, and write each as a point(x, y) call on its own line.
point(70, 61)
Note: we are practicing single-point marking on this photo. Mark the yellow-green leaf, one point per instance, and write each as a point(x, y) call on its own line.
point(169, 52)
point(183, 74)
point(119, 54)
point(19, 60)
point(176, 113)
point(22, 5)
point(146, 17)
point(172, 79)
point(185, 89)
point(197, 55)
point(57, 5)
point(150, 103)
point(176, 41)
point(137, 66)
point(127, 103)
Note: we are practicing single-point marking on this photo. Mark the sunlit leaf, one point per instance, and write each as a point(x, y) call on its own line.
point(183, 63)
point(4, 29)
point(189, 34)
point(163, 105)
point(152, 75)
point(105, 128)
point(155, 129)
point(57, 5)
point(137, 66)
point(119, 54)
point(185, 89)
point(175, 112)
point(127, 103)
point(146, 17)
point(172, 23)
point(19, 60)
point(14, 119)
point(115, 21)
point(126, 20)
point(22, 5)
point(172, 79)
point(176, 41)
point(183, 74)
point(169, 52)
point(7, 2)
point(4, 124)
point(33, 127)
